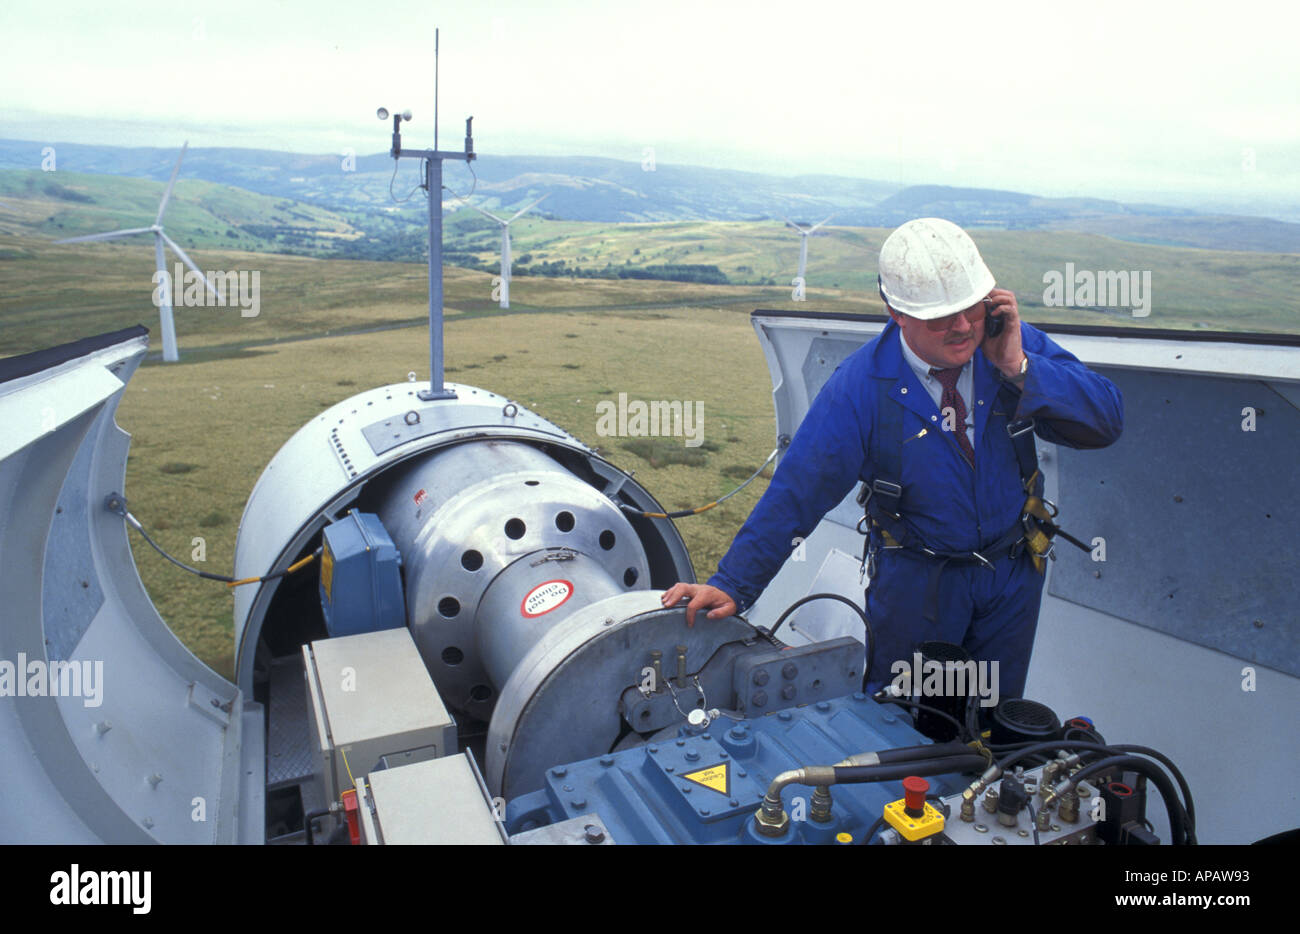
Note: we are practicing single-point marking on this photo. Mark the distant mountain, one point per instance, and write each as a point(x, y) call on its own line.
point(364, 191)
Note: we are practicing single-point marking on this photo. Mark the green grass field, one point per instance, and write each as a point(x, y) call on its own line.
point(203, 432)
point(204, 429)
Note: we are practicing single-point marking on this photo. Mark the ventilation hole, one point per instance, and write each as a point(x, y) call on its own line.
point(452, 655)
point(532, 482)
point(449, 606)
point(645, 715)
point(515, 528)
point(629, 577)
point(564, 522)
point(471, 560)
point(607, 539)
point(480, 693)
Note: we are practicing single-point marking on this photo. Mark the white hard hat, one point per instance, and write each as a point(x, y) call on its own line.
point(930, 268)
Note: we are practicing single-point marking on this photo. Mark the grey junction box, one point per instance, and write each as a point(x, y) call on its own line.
point(442, 801)
point(371, 696)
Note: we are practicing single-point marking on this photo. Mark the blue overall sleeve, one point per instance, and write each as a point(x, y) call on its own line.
point(822, 464)
point(1070, 404)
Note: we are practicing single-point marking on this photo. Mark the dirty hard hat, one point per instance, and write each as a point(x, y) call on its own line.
point(930, 268)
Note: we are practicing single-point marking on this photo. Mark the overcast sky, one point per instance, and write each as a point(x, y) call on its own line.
point(1091, 98)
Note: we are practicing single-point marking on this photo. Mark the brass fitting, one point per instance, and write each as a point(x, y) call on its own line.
point(821, 805)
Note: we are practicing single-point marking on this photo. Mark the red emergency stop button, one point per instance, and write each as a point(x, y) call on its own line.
point(915, 789)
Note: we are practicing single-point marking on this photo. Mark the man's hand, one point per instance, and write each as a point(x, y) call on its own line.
point(1004, 351)
point(701, 596)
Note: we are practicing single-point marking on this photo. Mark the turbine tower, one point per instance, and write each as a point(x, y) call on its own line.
point(159, 238)
point(505, 244)
point(805, 233)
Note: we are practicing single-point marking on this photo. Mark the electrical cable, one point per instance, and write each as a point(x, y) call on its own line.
point(118, 506)
point(928, 709)
point(871, 638)
point(683, 513)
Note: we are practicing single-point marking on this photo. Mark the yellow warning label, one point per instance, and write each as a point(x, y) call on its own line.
point(327, 572)
point(715, 778)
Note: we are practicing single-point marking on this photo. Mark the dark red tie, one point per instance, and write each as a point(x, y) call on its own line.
point(952, 400)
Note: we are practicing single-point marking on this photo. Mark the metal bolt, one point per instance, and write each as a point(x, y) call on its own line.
point(593, 834)
point(559, 771)
point(785, 715)
point(656, 662)
point(606, 761)
point(788, 692)
point(154, 779)
point(967, 810)
point(998, 841)
point(980, 828)
point(102, 727)
point(681, 666)
point(789, 671)
point(759, 699)
point(823, 706)
point(579, 803)
point(692, 756)
point(761, 676)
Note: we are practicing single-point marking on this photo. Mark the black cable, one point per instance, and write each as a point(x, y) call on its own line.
point(1033, 822)
point(205, 574)
point(902, 702)
point(1173, 770)
point(871, 638)
point(874, 829)
point(1177, 814)
point(307, 822)
point(208, 575)
point(1186, 820)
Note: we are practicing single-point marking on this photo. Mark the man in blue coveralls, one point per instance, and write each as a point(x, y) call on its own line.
point(936, 416)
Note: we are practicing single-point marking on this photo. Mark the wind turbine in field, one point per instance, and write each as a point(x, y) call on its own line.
point(159, 238)
point(804, 233)
point(505, 244)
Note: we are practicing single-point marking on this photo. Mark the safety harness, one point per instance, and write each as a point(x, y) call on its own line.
point(881, 495)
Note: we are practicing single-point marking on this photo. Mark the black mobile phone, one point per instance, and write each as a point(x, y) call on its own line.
point(993, 324)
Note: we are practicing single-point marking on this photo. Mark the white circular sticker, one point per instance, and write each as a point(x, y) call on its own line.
point(545, 597)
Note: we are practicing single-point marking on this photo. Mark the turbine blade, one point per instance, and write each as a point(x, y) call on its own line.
point(486, 213)
point(524, 210)
point(162, 206)
point(819, 223)
point(190, 263)
point(794, 225)
point(111, 235)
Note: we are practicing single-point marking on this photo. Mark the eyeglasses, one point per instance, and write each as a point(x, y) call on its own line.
point(974, 314)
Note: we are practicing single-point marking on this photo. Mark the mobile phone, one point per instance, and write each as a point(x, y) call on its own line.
point(993, 324)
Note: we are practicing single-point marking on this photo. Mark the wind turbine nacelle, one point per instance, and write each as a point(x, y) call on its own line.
point(511, 534)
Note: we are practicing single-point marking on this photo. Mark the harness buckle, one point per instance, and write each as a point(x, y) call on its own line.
point(983, 560)
point(885, 488)
point(1021, 426)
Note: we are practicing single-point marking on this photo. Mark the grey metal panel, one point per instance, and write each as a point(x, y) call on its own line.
point(1198, 516)
point(126, 761)
point(588, 830)
point(1143, 686)
point(288, 748)
point(70, 602)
